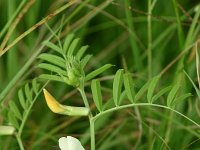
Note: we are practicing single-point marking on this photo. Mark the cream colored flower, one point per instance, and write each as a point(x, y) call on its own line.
point(70, 143)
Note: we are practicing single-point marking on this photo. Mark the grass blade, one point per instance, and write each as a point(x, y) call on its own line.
point(195, 87)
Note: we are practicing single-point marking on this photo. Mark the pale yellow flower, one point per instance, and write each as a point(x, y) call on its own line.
point(58, 108)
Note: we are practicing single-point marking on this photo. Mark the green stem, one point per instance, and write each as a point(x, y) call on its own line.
point(149, 40)
point(179, 27)
point(90, 116)
point(92, 133)
point(19, 142)
point(143, 104)
point(81, 90)
point(27, 112)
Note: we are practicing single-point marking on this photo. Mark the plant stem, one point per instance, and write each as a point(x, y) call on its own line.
point(144, 104)
point(81, 90)
point(149, 40)
point(92, 133)
point(19, 142)
point(90, 116)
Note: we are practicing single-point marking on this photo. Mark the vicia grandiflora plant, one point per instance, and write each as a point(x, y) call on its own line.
point(67, 66)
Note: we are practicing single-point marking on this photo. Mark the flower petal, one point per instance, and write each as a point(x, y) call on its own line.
point(70, 143)
point(58, 108)
point(52, 102)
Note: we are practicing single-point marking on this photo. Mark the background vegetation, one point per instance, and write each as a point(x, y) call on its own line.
point(145, 38)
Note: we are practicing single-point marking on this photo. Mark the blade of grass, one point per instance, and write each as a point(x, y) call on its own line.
point(50, 16)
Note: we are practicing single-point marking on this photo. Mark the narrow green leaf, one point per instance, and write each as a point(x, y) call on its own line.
point(52, 46)
point(56, 60)
point(180, 99)
point(195, 87)
point(72, 47)
point(97, 72)
point(172, 94)
point(141, 91)
point(67, 42)
point(51, 77)
point(129, 87)
point(81, 52)
point(35, 86)
point(117, 86)
point(12, 119)
point(122, 97)
point(28, 93)
point(152, 85)
point(21, 99)
point(52, 68)
point(96, 92)
point(15, 110)
point(85, 60)
point(160, 93)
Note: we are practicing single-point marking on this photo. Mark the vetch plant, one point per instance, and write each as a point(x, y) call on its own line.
point(143, 101)
point(68, 67)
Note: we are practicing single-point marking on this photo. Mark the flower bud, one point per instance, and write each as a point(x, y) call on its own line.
point(74, 71)
point(63, 109)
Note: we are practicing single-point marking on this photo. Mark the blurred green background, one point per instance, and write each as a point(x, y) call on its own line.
point(129, 34)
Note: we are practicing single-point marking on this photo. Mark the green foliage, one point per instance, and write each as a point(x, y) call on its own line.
point(172, 95)
point(117, 86)
point(148, 104)
point(96, 92)
point(151, 88)
point(27, 97)
point(129, 87)
point(98, 71)
point(68, 67)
